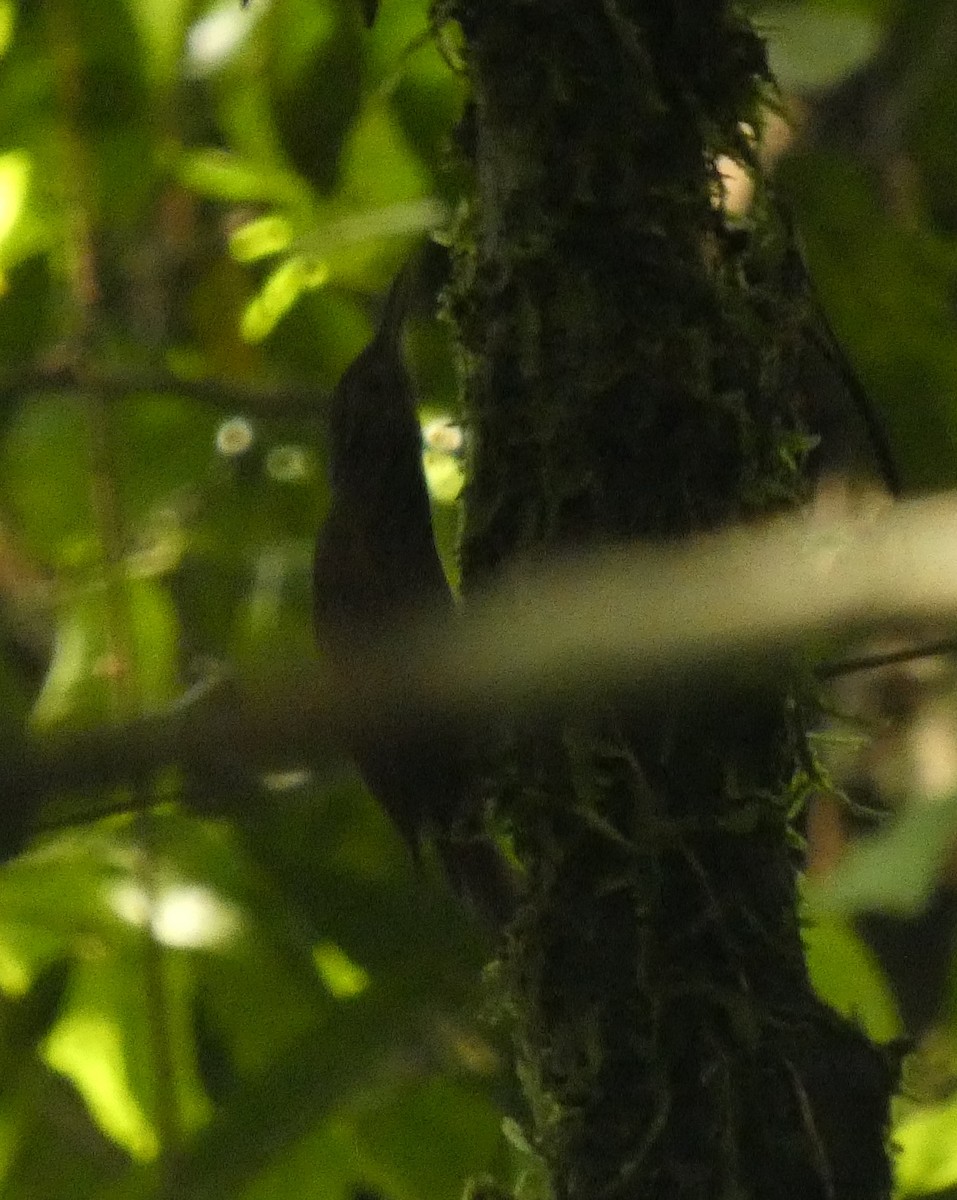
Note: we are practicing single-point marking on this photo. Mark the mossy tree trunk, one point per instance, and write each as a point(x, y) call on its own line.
point(633, 371)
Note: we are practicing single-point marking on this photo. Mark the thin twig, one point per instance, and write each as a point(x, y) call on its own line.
point(299, 399)
point(886, 658)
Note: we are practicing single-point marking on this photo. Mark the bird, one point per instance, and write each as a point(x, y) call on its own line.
point(376, 565)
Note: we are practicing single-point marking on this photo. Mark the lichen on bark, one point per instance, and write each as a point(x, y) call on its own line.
point(632, 370)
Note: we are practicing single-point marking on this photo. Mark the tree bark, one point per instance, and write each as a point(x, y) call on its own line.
point(634, 369)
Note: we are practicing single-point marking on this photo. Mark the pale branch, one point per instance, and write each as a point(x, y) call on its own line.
point(741, 605)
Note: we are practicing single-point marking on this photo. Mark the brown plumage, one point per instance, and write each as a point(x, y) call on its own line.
point(375, 564)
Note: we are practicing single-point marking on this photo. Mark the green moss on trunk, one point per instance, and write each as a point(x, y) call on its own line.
point(631, 372)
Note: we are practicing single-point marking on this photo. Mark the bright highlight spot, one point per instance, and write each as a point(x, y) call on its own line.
point(14, 179)
point(214, 39)
point(193, 917)
point(184, 917)
point(443, 448)
point(235, 436)
point(286, 781)
point(338, 972)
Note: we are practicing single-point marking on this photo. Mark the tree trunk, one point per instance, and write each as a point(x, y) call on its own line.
point(634, 370)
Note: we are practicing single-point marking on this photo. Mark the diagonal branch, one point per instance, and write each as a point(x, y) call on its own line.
point(729, 606)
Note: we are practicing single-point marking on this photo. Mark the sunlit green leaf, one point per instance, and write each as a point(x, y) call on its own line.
point(377, 168)
point(341, 975)
point(279, 293)
point(54, 899)
point(14, 178)
point(87, 1046)
point(895, 871)
point(128, 1021)
point(926, 1149)
point(259, 238)
point(848, 976)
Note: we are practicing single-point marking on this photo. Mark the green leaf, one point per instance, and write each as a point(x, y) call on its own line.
point(926, 1149)
point(847, 975)
point(895, 871)
point(260, 238)
point(92, 1046)
point(317, 91)
point(82, 684)
point(378, 169)
point(15, 168)
point(888, 292)
point(161, 25)
point(279, 293)
point(810, 46)
point(8, 19)
point(225, 176)
point(339, 973)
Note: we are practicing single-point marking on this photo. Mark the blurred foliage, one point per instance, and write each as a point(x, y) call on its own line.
point(897, 870)
point(199, 206)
